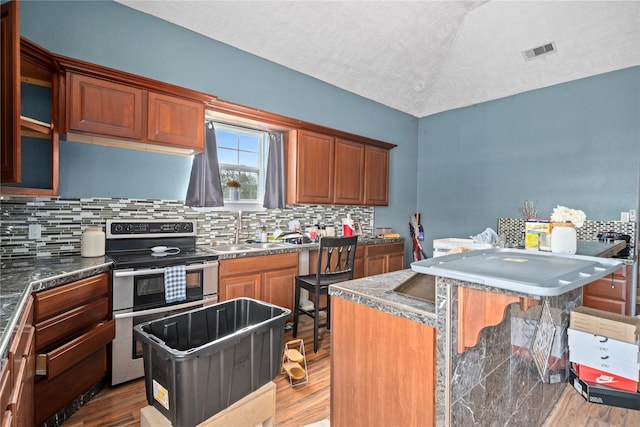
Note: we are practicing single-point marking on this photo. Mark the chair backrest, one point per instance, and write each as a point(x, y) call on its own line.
point(336, 257)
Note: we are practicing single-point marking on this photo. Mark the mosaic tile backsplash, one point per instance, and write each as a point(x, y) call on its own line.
point(513, 229)
point(63, 220)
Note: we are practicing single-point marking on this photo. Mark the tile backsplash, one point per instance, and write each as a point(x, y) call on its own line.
point(63, 220)
point(513, 229)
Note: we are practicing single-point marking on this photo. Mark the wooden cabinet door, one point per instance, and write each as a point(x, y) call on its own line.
point(278, 287)
point(314, 168)
point(10, 89)
point(375, 264)
point(242, 286)
point(376, 176)
point(358, 265)
point(104, 108)
point(611, 293)
point(175, 121)
point(395, 262)
point(349, 172)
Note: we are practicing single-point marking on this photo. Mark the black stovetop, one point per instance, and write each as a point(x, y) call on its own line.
point(146, 259)
point(137, 253)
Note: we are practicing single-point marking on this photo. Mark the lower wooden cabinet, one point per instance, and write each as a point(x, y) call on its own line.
point(73, 327)
point(611, 293)
point(268, 278)
point(382, 368)
point(383, 258)
point(16, 378)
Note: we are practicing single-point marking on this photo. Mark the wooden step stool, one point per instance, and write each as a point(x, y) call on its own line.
point(255, 409)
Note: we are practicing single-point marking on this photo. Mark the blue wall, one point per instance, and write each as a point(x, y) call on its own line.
point(109, 34)
point(576, 144)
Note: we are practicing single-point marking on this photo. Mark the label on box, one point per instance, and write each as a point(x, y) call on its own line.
point(533, 228)
point(161, 394)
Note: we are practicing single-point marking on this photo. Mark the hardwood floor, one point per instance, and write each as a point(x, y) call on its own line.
point(298, 406)
point(120, 406)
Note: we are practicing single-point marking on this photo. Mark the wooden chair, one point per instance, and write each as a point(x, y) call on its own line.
point(336, 257)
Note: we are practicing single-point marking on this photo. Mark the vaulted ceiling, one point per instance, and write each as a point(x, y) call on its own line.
point(422, 57)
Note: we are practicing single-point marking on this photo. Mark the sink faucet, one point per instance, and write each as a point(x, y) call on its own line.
point(238, 228)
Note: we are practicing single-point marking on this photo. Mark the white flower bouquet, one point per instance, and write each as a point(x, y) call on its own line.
point(564, 214)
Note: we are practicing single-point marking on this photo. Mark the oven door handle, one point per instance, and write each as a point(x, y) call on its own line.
point(162, 309)
point(130, 273)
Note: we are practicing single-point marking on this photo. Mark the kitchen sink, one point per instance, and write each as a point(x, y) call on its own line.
point(420, 286)
point(231, 248)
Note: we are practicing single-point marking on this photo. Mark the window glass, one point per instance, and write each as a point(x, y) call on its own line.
point(242, 159)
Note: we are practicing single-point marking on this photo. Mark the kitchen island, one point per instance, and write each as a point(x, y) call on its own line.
point(486, 381)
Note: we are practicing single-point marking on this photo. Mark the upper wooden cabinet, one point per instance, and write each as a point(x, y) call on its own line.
point(349, 172)
point(324, 169)
point(113, 110)
point(29, 91)
point(100, 107)
point(376, 176)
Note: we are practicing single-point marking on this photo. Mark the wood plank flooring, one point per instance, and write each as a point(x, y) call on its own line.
point(120, 406)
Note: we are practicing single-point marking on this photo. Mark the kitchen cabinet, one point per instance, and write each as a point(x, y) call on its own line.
point(114, 110)
point(376, 176)
point(268, 278)
point(73, 327)
point(383, 258)
point(310, 168)
point(325, 169)
point(16, 379)
point(611, 293)
point(378, 372)
point(349, 172)
point(29, 88)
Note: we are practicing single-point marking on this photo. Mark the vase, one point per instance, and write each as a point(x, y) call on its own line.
point(564, 239)
point(235, 194)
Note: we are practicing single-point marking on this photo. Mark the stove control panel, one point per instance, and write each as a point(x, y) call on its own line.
point(117, 229)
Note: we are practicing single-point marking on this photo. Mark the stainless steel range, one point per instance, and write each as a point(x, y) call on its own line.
point(141, 251)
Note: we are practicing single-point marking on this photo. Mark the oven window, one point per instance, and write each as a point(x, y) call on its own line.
point(148, 290)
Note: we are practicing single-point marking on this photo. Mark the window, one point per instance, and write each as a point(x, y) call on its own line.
point(242, 156)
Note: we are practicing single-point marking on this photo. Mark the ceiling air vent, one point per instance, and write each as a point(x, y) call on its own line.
point(539, 51)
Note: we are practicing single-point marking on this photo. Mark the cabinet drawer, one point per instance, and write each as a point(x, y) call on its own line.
point(605, 304)
point(64, 357)
point(5, 387)
point(607, 287)
point(63, 298)
point(257, 264)
point(385, 248)
point(22, 339)
point(57, 393)
point(64, 325)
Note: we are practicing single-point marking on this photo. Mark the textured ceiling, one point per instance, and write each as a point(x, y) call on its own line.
point(422, 57)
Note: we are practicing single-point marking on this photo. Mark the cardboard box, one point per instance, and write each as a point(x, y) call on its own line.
point(533, 228)
point(596, 376)
point(604, 395)
point(599, 322)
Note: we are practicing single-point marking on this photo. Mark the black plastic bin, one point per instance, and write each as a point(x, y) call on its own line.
point(199, 362)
